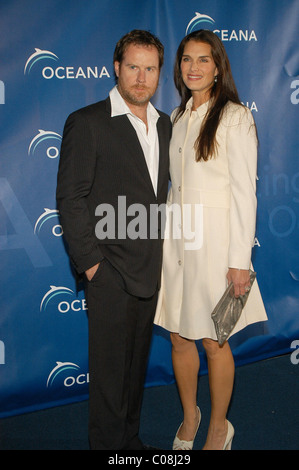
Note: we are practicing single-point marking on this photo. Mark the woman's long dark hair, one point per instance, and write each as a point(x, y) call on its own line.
point(223, 90)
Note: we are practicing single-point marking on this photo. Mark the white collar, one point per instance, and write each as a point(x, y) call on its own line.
point(201, 110)
point(119, 106)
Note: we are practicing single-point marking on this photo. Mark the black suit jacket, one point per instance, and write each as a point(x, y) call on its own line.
point(101, 159)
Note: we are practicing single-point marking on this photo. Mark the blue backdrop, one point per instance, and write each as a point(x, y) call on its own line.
point(56, 56)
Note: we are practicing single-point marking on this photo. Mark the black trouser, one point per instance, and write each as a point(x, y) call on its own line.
point(120, 327)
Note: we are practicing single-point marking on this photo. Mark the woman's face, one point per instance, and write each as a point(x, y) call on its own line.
point(198, 69)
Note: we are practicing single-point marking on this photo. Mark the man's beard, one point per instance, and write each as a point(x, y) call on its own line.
point(136, 98)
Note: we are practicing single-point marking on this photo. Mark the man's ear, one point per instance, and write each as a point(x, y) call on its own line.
point(116, 68)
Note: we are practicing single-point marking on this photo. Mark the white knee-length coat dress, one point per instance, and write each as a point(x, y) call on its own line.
point(211, 215)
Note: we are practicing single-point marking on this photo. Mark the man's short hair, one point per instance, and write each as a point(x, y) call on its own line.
point(138, 37)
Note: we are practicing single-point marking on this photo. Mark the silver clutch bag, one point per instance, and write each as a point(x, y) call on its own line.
point(228, 311)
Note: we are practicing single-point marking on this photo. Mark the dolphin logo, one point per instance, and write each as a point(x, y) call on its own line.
point(53, 292)
point(39, 54)
point(294, 276)
point(198, 18)
point(61, 367)
point(48, 214)
point(40, 137)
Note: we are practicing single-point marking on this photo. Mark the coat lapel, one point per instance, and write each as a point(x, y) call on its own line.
point(163, 153)
point(128, 137)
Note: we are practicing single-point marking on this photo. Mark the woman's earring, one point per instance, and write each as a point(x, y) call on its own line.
point(215, 78)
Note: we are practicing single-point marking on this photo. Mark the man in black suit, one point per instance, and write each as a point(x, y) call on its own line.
point(112, 179)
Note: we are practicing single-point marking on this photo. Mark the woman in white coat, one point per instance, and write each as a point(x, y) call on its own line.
point(208, 241)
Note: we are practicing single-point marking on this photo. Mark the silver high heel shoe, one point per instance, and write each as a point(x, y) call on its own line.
point(179, 444)
point(229, 437)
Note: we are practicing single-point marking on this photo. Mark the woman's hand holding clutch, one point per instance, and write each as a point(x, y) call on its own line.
point(241, 280)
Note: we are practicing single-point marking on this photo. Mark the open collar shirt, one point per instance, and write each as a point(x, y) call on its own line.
point(148, 138)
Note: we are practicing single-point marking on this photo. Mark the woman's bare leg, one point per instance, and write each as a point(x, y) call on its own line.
point(186, 367)
point(221, 379)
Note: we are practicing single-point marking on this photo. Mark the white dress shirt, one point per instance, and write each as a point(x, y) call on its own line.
point(149, 140)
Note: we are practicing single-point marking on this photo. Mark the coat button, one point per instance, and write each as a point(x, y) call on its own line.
point(179, 262)
point(179, 188)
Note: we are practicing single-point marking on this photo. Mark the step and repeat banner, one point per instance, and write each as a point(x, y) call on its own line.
point(56, 56)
